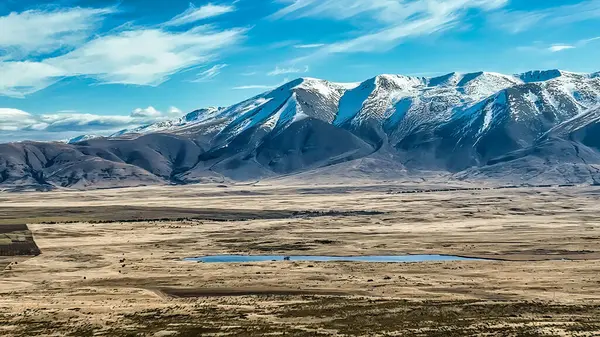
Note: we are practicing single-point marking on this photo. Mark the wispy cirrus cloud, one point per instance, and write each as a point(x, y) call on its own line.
point(145, 56)
point(560, 47)
point(309, 46)
point(210, 73)
point(38, 31)
point(519, 21)
point(396, 20)
point(381, 10)
point(194, 14)
point(128, 55)
point(593, 39)
point(20, 78)
point(284, 71)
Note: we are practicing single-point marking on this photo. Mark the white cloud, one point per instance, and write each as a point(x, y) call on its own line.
point(309, 46)
point(14, 119)
point(284, 71)
point(174, 111)
point(152, 113)
point(556, 47)
point(586, 41)
point(396, 20)
point(384, 11)
point(519, 21)
point(210, 73)
point(381, 10)
point(16, 125)
point(21, 78)
point(560, 47)
point(129, 55)
point(146, 112)
point(85, 122)
point(193, 14)
point(281, 44)
point(145, 57)
point(38, 32)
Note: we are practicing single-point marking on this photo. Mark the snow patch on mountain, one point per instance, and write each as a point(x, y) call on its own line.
point(81, 138)
point(444, 98)
point(484, 84)
point(319, 99)
point(532, 98)
point(352, 101)
point(576, 123)
point(292, 102)
point(389, 90)
point(487, 120)
point(200, 115)
point(346, 86)
point(287, 113)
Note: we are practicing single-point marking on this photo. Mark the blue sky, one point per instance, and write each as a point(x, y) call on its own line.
point(95, 66)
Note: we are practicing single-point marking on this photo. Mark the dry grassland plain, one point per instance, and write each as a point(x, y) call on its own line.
point(111, 261)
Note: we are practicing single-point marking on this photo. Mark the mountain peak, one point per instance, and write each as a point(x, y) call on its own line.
point(540, 75)
point(464, 79)
point(81, 138)
point(447, 79)
point(309, 79)
point(201, 114)
point(308, 83)
point(397, 81)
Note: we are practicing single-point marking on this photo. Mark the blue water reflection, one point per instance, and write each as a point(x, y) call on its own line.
point(319, 258)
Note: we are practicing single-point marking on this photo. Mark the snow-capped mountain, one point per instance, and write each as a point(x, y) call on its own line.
point(575, 124)
point(80, 139)
point(193, 117)
point(463, 124)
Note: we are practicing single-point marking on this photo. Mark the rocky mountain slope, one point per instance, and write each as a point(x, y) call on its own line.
point(531, 127)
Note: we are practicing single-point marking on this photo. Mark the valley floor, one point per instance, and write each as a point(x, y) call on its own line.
point(105, 272)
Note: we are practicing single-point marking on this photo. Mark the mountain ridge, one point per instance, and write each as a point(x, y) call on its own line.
point(456, 124)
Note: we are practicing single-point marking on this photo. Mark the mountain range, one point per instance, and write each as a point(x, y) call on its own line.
point(536, 127)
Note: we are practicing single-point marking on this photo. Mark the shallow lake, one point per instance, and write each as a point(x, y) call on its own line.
point(325, 258)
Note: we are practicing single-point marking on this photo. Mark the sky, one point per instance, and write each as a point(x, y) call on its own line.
point(72, 67)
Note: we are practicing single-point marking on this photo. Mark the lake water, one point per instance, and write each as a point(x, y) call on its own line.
point(325, 258)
